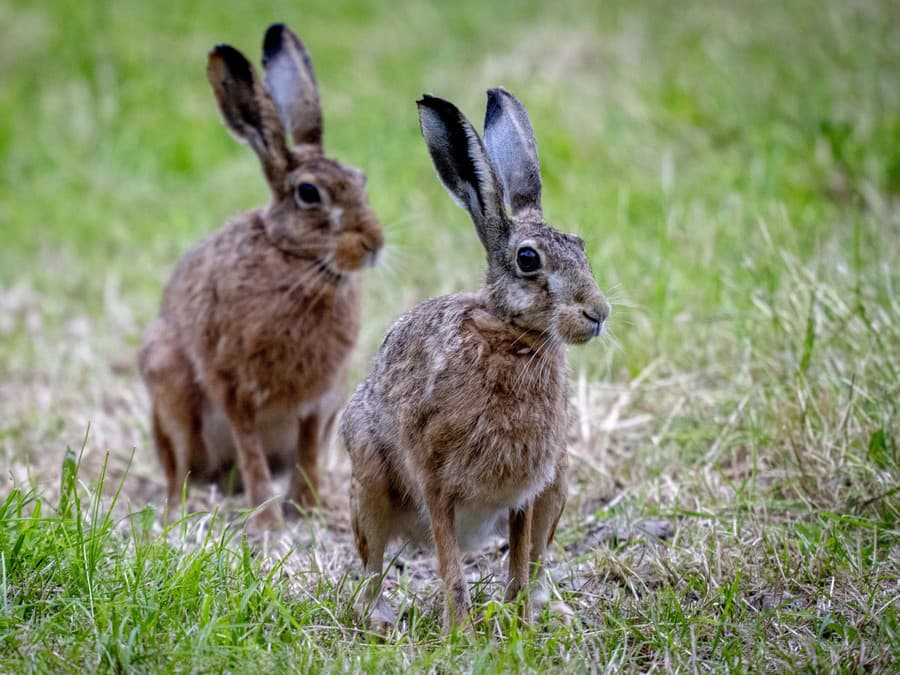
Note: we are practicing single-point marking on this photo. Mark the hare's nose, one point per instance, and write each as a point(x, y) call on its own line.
point(597, 315)
point(599, 311)
point(374, 242)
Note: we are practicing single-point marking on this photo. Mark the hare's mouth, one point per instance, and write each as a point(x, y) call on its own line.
point(577, 325)
point(595, 322)
point(372, 257)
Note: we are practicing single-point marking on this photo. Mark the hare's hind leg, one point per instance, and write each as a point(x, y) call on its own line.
point(370, 508)
point(176, 417)
point(442, 512)
point(168, 458)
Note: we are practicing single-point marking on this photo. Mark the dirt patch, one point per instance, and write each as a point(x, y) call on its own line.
point(80, 399)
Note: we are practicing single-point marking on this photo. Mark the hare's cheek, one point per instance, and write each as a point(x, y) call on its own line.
point(520, 300)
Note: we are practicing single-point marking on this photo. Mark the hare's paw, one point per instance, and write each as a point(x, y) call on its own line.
point(267, 519)
point(541, 592)
point(561, 611)
point(375, 613)
point(380, 619)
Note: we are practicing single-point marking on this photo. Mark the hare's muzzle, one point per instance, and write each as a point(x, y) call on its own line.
point(360, 246)
point(583, 320)
point(373, 250)
point(596, 320)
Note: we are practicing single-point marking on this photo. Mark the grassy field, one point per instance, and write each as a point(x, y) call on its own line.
point(735, 171)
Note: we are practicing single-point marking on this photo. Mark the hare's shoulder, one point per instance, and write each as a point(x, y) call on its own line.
point(217, 256)
point(427, 330)
point(238, 269)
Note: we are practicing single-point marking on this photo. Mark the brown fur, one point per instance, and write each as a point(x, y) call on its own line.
point(463, 418)
point(247, 360)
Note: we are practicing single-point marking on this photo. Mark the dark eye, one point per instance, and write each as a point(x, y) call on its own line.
point(308, 194)
point(528, 260)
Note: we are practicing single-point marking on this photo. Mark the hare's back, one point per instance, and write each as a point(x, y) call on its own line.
point(212, 264)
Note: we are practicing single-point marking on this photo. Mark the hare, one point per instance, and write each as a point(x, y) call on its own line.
point(463, 418)
point(248, 357)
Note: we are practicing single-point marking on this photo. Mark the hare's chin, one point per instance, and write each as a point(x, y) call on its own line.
point(368, 259)
point(581, 335)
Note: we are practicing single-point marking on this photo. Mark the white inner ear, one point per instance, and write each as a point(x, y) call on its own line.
point(482, 168)
point(282, 82)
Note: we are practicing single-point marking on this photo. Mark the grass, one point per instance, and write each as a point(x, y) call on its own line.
point(735, 171)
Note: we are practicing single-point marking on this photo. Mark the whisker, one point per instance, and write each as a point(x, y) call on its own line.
point(310, 274)
point(610, 340)
point(520, 380)
point(394, 255)
point(525, 332)
point(317, 280)
point(395, 223)
point(323, 288)
point(543, 364)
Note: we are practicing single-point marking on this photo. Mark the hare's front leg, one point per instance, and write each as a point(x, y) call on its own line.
point(548, 508)
point(519, 555)
point(442, 512)
point(252, 462)
point(313, 432)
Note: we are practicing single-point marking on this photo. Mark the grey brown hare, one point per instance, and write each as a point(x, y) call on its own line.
point(463, 418)
point(246, 364)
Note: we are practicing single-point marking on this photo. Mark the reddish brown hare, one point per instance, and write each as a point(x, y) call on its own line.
point(247, 360)
point(463, 418)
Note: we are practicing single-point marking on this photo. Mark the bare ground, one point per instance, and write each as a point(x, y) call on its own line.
point(83, 393)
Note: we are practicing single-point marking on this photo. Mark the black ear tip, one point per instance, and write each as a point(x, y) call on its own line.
point(439, 106)
point(427, 101)
point(234, 61)
point(497, 95)
point(273, 39)
point(495, 103)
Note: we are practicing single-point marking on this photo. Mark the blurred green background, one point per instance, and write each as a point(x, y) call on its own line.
point(668, 133)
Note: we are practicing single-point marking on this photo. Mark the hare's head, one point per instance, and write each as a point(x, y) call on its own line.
point(538, 278)
point(319, 209)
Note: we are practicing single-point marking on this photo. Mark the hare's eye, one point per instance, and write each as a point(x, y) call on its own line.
point(528, 260)
point(308, 194)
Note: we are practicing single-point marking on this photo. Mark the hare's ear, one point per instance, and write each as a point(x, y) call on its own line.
point(463, 166)
point(292, 82)
point(248, 110)
point(509, 139)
